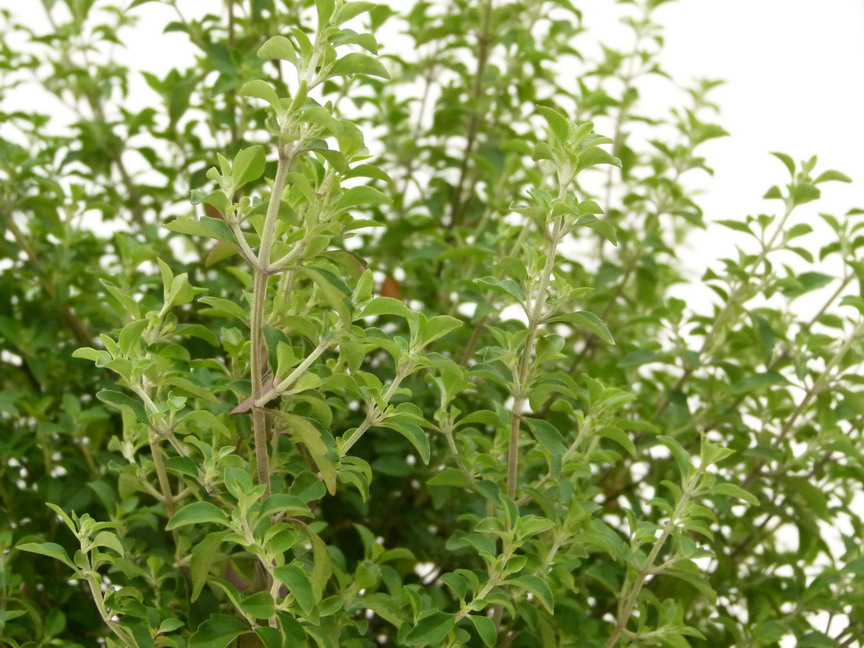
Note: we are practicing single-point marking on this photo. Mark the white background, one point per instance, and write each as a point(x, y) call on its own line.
point(795, 83)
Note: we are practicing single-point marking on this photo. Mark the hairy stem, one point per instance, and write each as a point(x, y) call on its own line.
point(374, 412)
point(258, 351)
point(520, 395)
point(104, 612)
point(162, 475)
point(294, 375)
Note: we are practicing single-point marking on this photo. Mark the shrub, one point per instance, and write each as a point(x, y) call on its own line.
point(407, 369)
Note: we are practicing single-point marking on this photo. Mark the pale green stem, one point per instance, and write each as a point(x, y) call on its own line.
point(245, 251)
point(162, 475)
point(258, 348)
point(298, 371)
point(99, 599)
point(374, 413)
point(521, 378)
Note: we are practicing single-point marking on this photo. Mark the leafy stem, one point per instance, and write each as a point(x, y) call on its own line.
point(376, 410)
point(298, 371)
point(631, 591)
point(99, 598)
point(732, 301)
point(818, 386)
point(162, 475)
point(258, 349)
point(535, 317)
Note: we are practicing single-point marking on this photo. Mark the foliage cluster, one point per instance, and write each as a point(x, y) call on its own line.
point(405, 368)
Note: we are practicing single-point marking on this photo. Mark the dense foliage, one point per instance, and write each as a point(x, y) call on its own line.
point(403, 367)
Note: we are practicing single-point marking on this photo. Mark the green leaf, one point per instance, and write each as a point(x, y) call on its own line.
point(130, 335)
point(191, 388)
point(278, 47)
point(363, 195)
point(198, 513)
point(855, 567)
point(348, 260)
point(170, 625)
point(298, 583)
point(258, 605)
point(206, 227)
point(619, 436)
point(438, 327)
point(219, 200)
point(50, 549)
point(121, 400)
point(366, 41)
point(738, 226)
point(87, 353)
point(551, 439)
point(260, 90)
point(337, 299)
point(854, 301)
point(322, 567)
point(682, 457)
point(773, 193)
point(126, 301)
point(351, 10)
point(798, 230)
point(538, 587)
point(63, 516)
point(414, 434)
point(674, 640)
point(217, 632)
point(558, 123)
point(272, 638)
point(832, 176)
point(485, 628)
point(356, 63)
point(507, 286)
point(282, 503)
point(222, 308)
point(587, 320)
point(804, 193)
point(694, 577)
point(605, 229)
point(731, 490)
point(248, 165)
point(325, 10)
point(594, 156)
point(323, 455)
point(386, 306)
point(109, 540)
point(8, 615)
point(787, 161)
point(203, 555)
point(431, 629)
point(814, 280)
